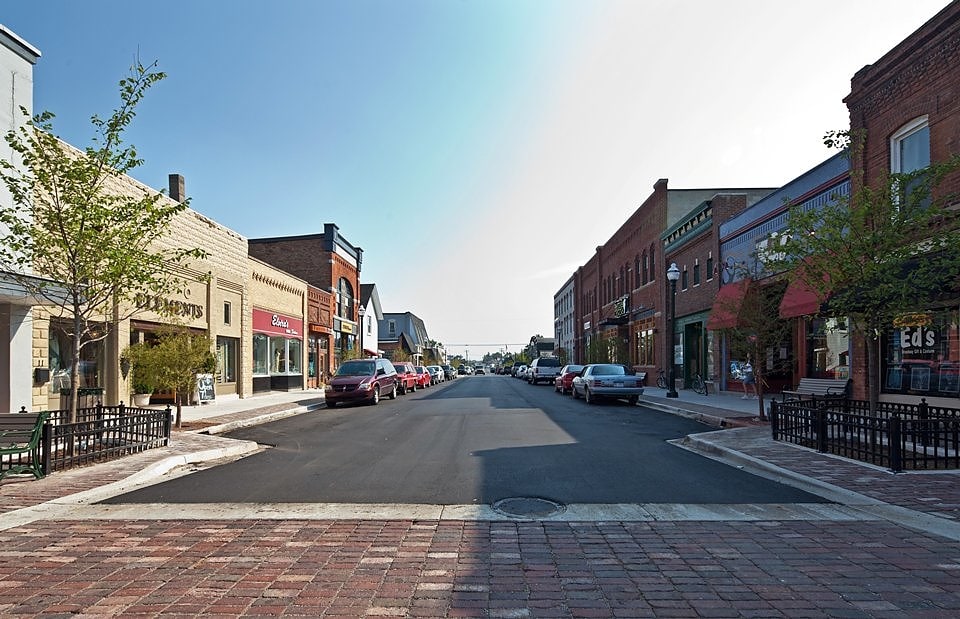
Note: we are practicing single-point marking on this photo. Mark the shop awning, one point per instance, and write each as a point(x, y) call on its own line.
point(726, 306)
point(800, 299)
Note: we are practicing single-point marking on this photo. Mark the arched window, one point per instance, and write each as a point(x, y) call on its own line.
point(345, 299)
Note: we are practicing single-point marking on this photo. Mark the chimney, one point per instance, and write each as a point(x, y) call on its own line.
point(177, 189)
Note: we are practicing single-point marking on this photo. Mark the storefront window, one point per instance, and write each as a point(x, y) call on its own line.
point(294, 356)
point(922, 355)
point(828, 348)
point(227, 348)
point(278, 355)
point(91, 361)
point(645, 343)
point(261, 354)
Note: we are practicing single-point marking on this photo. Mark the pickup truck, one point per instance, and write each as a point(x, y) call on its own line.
point(543, 369)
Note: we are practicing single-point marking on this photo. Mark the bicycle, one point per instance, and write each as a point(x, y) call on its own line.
point(699, 386)
point(661, 379)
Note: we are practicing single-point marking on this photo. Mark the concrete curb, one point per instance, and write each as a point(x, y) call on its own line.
point(229, 426)
point(705, 418)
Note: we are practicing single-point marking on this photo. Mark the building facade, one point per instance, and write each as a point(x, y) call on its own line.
point(371, 313)
point(277, 327)
point(214, 301)
point(818, 347)
point(18, 378)
point(329, 262)
point(404, 333)
point(563, 318)
point(907, 105)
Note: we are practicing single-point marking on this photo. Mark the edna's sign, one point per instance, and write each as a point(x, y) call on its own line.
point(169, 307)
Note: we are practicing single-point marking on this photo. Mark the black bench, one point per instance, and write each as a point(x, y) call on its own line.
point(825, 387)
point(20, 435)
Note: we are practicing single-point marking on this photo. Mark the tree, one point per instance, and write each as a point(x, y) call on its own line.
point(890, 248)
point(173, 362)
point(94, 249)
point(760, 333)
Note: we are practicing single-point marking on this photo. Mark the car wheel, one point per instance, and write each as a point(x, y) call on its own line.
point(403, 390)
point(393, 393)
point(576, 396)
point(375, 398)
point(331, 404)
point(633, 400)
point(414, 388)
point(588, 398)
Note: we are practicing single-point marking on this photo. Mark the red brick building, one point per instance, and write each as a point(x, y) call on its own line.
point(332, 265)
point(907, 105)
point(621, 293)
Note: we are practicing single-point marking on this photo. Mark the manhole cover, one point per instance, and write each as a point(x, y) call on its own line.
point(528, 507)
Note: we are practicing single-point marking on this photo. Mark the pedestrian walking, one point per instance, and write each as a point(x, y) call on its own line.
point(749, 382)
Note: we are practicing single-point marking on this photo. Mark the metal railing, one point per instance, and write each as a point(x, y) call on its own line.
point(100, 434)
point(897, 436)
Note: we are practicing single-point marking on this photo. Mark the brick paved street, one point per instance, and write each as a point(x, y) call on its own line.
point(64, 556)
point(356, 568)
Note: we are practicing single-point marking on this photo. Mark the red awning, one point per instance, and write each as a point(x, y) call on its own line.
point(726, 305)
point(800, 299)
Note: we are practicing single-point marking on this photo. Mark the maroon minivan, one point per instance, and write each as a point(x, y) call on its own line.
point(362, 380)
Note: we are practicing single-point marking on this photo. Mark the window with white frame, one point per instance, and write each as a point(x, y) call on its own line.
point(909, 152)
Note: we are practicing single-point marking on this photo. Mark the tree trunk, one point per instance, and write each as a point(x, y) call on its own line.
point(75, 366)
point(179, 420)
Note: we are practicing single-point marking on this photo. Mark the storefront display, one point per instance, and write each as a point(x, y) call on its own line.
point(922, 355)
point(277, 352)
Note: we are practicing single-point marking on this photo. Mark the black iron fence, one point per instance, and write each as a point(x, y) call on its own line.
point(897, 436)
point(101, 433)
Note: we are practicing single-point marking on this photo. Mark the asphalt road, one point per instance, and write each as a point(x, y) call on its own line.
point(474, 440)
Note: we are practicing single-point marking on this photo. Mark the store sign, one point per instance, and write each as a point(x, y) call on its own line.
point(918, 340)
point(168, 307)
point(276, 324)
point(620, 307)
point(346, 327)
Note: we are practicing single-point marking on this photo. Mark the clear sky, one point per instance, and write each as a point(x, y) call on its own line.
point(478, 151)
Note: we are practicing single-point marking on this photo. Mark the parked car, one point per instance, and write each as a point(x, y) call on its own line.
point(406, 376)
point(516, 368)
point(448, 372)
point(543, 369)
point(423, 376)
point(479, 370)
point(362, 380)
point(607, 380)
point(462, 370)
point(564, 382)
point(436, 374)
point(521, 372)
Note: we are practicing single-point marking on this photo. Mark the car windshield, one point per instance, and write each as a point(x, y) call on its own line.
point(609, 370)
point(573, 369)
point(358, 368)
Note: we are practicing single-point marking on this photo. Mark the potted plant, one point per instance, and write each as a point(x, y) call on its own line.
point(142, 381)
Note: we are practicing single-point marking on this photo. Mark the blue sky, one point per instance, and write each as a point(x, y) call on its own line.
point(478, 151)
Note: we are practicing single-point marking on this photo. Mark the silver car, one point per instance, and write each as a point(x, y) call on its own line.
point(607, 380)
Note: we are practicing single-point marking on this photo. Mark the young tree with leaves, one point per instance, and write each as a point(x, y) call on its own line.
point(891, 247)
point(93, 248)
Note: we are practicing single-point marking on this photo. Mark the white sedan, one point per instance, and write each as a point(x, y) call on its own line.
point(607, 380)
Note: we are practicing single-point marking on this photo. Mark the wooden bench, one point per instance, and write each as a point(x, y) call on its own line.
point(20, 435)
point(826, 387)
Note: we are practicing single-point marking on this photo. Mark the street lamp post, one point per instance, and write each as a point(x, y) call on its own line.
point(673, 274)
point(360, 312)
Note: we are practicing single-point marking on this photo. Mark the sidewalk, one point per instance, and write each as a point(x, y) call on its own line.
point(927, 500)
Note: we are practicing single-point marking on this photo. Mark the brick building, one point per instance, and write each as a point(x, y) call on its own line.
point(621, 308)
point(331, 264)
point(692, 244)
point(907, 105)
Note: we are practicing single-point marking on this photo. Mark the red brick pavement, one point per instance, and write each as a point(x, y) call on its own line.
point(931, 492)
point(353, 568)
